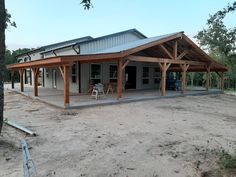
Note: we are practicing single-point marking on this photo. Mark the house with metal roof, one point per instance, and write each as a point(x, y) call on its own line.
point(127, 60)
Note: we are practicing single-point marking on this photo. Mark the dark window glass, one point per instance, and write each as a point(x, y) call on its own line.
point(95, 74)
point(157, 76)
point(113, 73)
point(145, 75)
point(73, 74)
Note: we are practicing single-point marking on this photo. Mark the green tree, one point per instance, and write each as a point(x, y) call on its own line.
point(5, 21)
point(220, 41)
point(10, 58)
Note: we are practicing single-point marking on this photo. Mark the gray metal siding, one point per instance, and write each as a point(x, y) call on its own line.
point(105, 43)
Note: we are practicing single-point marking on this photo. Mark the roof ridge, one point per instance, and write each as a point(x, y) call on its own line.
point(101, 37)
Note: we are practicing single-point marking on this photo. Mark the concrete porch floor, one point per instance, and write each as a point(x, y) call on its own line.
point(55, 97)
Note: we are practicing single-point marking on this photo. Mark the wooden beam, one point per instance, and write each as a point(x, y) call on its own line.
point(175, 50)
point(182, 55)
point(61, 71)
point(12, 79)
point(163, 78)
point(183, 82)
point(166, 51)
point(162, 60)
point(167, 66)
point(160, 65)
point(184, 68)
point(66, 86)
point(91, 58)
point(119, 79)
point(125, 64)
point(36, 74)
point(35, 63)
point(21, 72)
point(98, 60)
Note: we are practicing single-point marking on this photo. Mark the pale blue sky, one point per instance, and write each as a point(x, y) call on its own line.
point(41, 22)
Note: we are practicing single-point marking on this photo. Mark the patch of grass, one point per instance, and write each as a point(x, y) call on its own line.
point(226, 160)
point(230, 89)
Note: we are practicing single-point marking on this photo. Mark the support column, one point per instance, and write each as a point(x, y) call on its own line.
point(222, 81)
point(36, 74)
point(12, 79)
point(208, 77)
point(30, 77)
point(43, 83)
point(66, 85)
point(163, 80)
point(119, 79)
point(184, 68)
point(21, 72)
point(163, 66)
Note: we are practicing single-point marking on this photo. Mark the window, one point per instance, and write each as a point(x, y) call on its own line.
point(73, 74)
point(145, 75)
point(47, 72)
point(113, 73)
point(95, 74)
point(157, 76)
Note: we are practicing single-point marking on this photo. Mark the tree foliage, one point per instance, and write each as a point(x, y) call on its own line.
point(10, 58)
point(87, 4)
point(217, 37)
point(8, 20)
point(220, 40)
point(5, 22)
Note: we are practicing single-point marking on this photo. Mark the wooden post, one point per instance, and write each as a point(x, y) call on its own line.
point(21, 72)
point(163, 68)
point(12, 79)
point(184, 68)
point(208, 77)
point(222, 84)
point(184, 82)
point(66, 69)
point(119, 79)
point(36, 73)
point(163, 80)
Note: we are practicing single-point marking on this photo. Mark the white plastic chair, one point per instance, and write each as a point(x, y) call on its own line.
point(98, 90)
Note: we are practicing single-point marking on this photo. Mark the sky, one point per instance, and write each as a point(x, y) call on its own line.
point(42, 22)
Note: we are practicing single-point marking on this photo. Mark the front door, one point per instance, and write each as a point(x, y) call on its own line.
point(54, 78)
point(130, 77)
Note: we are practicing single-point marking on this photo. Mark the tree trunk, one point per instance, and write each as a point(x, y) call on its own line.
point(2, 57)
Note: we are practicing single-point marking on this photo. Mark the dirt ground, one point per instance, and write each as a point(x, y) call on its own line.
point(159, 138)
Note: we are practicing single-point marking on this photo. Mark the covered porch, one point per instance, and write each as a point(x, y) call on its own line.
point(172, 53)
point(55, 97)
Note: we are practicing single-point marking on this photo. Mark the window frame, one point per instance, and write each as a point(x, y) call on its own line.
point(156, 75)
point(47, 72)
point(145, 79)
point(96, 78)
point(113, 79)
